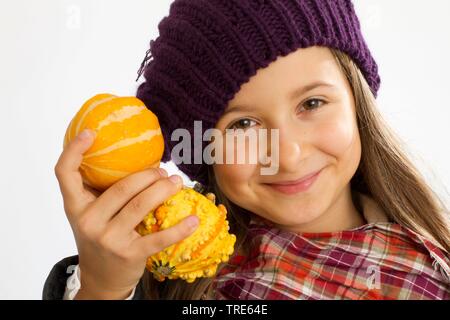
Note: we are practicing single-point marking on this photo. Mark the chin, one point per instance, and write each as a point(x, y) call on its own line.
point(293, 214)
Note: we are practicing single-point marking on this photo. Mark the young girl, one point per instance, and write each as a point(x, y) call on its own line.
point(345, 216)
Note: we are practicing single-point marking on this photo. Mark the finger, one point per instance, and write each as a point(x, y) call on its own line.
point(119, 194)
point(158, 241)
point(149, 199)
point(67, 168)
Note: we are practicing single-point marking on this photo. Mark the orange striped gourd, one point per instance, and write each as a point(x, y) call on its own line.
point(128, 138)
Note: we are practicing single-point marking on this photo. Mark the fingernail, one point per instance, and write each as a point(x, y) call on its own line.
point(163, 172)
point(192, 221)
point(175, 179)
point(85, 134)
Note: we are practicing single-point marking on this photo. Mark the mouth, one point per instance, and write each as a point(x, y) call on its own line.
point(295, 186)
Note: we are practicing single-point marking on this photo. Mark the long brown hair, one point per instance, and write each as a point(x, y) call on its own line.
point(385, 173)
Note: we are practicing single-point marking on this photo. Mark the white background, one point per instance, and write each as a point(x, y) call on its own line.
point(57, 53)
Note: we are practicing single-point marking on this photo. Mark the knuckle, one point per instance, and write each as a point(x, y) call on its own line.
point(159, 242)
point(124, 256)
point(58, 169)
point(171, 187)
point(136, 205)
point(184, 230)
point(153, 174)
point(105, 241)
point(121, 187)
point(84, 224)
point(108, 242)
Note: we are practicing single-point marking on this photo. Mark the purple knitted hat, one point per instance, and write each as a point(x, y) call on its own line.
point(207, 49)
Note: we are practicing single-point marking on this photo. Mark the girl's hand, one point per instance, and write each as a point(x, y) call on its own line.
point(112, 255)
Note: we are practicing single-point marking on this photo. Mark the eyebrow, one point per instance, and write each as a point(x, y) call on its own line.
point(293, 95)
point(299, 91)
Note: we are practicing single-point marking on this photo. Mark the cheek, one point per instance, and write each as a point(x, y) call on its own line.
point(338, 137)
point(232, 177)
point(238, 161)
point(234, 168)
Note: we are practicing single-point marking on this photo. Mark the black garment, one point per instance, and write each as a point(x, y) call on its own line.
point(55, 284)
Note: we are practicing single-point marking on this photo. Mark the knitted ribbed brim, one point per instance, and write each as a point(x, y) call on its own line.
point(207, 49)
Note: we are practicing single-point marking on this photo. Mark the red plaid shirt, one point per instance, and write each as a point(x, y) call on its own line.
point(379, 260)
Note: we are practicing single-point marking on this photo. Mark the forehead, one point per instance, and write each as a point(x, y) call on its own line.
point(287, 73)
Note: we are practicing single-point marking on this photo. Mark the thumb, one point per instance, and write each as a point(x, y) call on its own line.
point(82, 141)
point(67, 167)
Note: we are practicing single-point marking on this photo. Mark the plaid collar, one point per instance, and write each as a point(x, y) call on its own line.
point(379, 260)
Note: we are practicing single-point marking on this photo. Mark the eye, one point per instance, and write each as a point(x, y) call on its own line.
point(242, 124)
point(313, 104)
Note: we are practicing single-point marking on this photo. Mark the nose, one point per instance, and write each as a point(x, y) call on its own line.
point(289, 150)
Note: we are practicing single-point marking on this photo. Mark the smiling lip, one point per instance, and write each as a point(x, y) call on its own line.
point(300, 185)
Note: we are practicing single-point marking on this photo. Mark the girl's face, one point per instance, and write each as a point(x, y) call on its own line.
point(307, 98)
